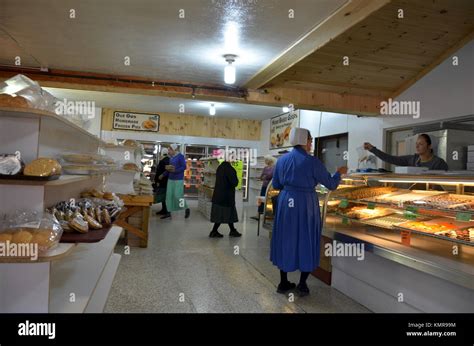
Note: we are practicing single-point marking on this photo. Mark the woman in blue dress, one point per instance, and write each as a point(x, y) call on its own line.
point(297, 227)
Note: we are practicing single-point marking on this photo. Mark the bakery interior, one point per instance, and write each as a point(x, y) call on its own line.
point(211, 76)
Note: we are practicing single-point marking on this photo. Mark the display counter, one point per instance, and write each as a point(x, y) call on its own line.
point(417, 236)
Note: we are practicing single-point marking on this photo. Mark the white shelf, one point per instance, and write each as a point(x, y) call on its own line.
point(36, 113)
point(101, 293)
point(80, 274)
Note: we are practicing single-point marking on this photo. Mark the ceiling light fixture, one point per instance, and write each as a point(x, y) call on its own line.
point(212, 109)
point(229, 71)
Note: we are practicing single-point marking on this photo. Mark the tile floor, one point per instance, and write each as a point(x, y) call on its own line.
point(183, 270)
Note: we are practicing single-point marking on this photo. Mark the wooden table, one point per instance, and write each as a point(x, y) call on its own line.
point(137, 205)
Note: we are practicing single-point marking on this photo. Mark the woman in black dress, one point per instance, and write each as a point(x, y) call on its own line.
point(223, 200)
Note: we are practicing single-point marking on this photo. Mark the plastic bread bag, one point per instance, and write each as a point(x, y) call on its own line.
point(41, 230)
point(23, 86)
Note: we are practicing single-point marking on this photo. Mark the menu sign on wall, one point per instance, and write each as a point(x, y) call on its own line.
point(280, 127)
point(136, 121)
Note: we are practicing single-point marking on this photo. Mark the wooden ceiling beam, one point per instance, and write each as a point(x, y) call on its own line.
point(342, 19)
point(317, 100)
point(125, 84)
point(303, 99)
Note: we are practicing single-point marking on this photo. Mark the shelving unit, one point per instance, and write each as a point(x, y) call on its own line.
point(87, 270)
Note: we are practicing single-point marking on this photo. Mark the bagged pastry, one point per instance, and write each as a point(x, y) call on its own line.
point(10, 164)
point(43, 167)
point(38, 229)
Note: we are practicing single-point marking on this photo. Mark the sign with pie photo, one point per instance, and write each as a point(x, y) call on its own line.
point(136, 121)
point(280, 127)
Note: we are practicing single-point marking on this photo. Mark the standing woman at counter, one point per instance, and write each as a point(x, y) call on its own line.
point(424, 156)
point(297, 227)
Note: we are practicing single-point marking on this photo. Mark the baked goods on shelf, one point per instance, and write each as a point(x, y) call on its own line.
point(367, 192)
point(446, 201)
point(7, 100)
point(362, 212)
point(130, 143)
point(10, 164)
point(87, 214)
point(39, 229)
point(131, 167)
point(405, 196)
point(43, 167)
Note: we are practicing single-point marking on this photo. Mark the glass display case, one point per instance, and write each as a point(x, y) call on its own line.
point(431, 213)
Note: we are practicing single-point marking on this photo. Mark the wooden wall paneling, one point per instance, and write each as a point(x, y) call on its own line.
point(200, 126)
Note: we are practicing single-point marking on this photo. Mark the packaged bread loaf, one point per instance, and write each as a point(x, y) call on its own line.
point(43, 167)
point(13, 102)
point(10, 164)
point(41, 229)
point(131, 167)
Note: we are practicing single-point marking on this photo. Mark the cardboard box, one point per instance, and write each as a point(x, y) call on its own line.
point(470, 156)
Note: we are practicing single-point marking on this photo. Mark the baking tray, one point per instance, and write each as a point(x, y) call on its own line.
point(404, 195)
point(28, 177)
point(442, 237)
point(93, 236)
point(390, 212)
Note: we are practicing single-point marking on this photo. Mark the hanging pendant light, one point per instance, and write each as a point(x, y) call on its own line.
point(212, 109)
point(229, 71)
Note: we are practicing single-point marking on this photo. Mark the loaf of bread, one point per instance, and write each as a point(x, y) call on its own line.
point(131, 167)
point(43, 167)
point(14, 102)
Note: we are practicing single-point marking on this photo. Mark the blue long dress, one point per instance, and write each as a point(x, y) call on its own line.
point(297, 227)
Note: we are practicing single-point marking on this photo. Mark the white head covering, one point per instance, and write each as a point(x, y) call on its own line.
point(174, 146)
point(164, 151)
point(298, 136)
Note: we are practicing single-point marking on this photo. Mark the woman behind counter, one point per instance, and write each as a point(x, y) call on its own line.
point(297, 228)
point(265, 177)
point(424, 156)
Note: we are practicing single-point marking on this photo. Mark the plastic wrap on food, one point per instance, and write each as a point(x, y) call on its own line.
point(30, 90)
point(10, 164)
point(38, 229)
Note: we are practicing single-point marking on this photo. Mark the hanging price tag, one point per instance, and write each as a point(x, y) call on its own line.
point(371, 205)
point(344, 203)
point(412, 209)
point(463, 216)
point(406, 237)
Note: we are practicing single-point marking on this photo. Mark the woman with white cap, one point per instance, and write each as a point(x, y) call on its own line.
point(297, 228)
point(175, 190)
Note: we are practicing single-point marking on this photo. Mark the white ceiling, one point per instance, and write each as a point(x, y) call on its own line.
point(160, 45)
point(159, 104)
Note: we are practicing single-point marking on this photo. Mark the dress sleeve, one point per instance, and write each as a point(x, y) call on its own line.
point(232, 177)
point(276, 183)
point(406, 160)
point(180, 165)
point(322, 176)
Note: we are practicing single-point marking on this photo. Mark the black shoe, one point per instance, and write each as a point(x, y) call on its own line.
point(234, 233)
point(187, 213)
point(165, 216)
point(215, 234)
point(161, 212)
point(284, 287)
point(254, 218)
point(302, 290)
